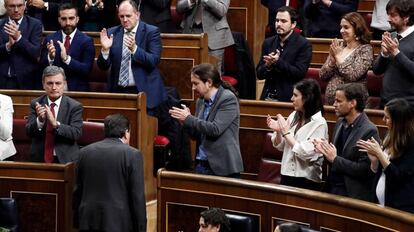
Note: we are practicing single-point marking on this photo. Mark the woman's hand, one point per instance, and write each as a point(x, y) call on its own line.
point(272, 124)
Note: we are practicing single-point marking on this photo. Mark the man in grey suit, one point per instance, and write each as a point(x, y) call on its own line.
point(208, 16)
point(55, 121)
point(215, 125)
point(109, 194)
point(350, 173)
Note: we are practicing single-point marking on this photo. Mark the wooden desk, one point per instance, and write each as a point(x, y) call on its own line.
point(253, 127)
point(43, 193)
point(182, 196)
point(99, 105)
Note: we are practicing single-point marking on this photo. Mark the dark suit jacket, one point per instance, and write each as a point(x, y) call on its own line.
point(69, 131)
point(23, 55)
point(291, 67)
point(221, 132)
point(325, 21)
point(82, 53)
point(399, 181)
point(398, 71)
point(109, 194)
point(47, 17)
point(144, 62)
point(353, 164)
point(158, 13)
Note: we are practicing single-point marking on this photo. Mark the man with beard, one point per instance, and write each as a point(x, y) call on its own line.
point(349, 173)
point(285, 58)
point(70, 49)
point(396, 61)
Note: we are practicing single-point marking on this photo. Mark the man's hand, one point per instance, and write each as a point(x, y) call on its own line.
point(106, 41)
point(271, 58)
point(10, 43)
point(180, 114)
point(326, 148)
point(40, 4)
point(40, 112)
point(390, 44)
point(63, 53)
point(50, 116)
point(51, 50)
point(12, 30)
point(129, 41)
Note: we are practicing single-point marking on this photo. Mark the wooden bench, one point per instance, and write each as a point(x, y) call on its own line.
point(182, 196)
point(99, 105)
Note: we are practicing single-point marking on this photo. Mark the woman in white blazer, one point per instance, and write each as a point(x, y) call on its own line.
point(7, 148)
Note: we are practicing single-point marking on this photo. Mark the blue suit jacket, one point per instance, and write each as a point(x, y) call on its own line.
point(23, 55)
point(143, 63)
point(82, 53)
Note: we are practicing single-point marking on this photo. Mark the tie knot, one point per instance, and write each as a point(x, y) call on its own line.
point(16, 22)
point(68, 37)
point(52, 105)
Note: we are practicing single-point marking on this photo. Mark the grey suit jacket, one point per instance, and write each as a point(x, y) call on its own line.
point(221, 132)
point(109, 194)
point(214, 21)
point(69, 131)
point(354, 165)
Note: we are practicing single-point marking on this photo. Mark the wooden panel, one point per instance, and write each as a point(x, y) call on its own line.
point(271, 203)
point(366, 6)
point(43, 193)
point(96, 106)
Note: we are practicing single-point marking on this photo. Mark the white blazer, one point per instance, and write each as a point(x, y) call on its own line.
point(7, 148)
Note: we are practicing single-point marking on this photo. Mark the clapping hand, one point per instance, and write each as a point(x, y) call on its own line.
point(106, 41)
point(326, 148)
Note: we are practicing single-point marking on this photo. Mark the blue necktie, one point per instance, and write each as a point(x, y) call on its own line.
point(124, 70)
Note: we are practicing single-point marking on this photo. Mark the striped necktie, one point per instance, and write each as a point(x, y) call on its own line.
point(124, 70)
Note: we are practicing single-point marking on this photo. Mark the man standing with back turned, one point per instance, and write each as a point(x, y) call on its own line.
point(109, 194)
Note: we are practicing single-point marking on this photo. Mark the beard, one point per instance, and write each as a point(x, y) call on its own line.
point(68, 29)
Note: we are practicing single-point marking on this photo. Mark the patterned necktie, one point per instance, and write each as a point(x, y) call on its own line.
point(49, 138)
point(124, 70)
point(67, 44)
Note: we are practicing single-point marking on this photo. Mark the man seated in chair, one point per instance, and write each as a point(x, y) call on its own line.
point(55, 121)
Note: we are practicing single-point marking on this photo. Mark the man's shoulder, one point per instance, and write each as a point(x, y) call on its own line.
point(71, 101)
point(32, 21)
point(299, 39)
point(115, 30)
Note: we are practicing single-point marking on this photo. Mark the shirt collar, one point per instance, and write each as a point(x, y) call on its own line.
point(409, 30)
point(57, 102)
point(71, 34)
point(212, 99)
point(19, 21)
point(134, 30)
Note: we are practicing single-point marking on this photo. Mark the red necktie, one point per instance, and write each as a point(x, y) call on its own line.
point(67, 44)
point(49, 138)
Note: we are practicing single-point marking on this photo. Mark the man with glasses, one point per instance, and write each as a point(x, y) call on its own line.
point(20, 37)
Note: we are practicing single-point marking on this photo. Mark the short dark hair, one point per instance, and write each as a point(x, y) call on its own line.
point(354, 91)
point(116, 125)
point(405, 8)
point(52, 70)
point(289, 227)
point(67, 6)
point(215, 217)
point(291, 11)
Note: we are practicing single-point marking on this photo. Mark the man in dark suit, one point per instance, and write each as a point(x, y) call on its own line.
point(46, 12)
point(132, 51)
point(109, 194)
point(350, 174)
point(55, 121)
point(285, 58)
point(20, 37)
point(158, 13)
point(70, 49)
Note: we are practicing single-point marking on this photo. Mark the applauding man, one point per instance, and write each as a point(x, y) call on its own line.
point(132, 51)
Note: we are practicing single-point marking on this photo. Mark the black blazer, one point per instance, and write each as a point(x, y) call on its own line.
point(353, 164)
point(289, 69)
point(69, 131)
point(109, 194)
point(399, 181)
